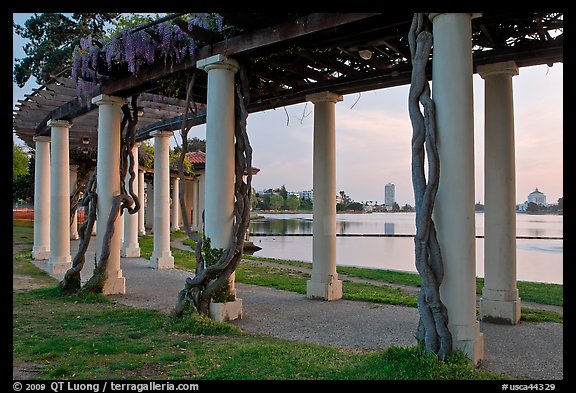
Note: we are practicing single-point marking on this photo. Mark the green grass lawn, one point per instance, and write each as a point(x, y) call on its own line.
point(92, 337)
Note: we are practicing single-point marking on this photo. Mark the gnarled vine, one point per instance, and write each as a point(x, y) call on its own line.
point(433, 324)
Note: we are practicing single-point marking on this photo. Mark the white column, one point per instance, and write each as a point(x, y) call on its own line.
point(149, 217)
point(74, 224)
point(141, 228)
point(41, 249)
point(454, 207)
point(161, 256)
point(219, 188)
point(175, 204)
point(219, 192)
point(189, 200)
point(324, 283)
point(130, 247)
point(500, 302)
point(60, 258)
point(94, 228)
point(108, 187)
point(198, 201)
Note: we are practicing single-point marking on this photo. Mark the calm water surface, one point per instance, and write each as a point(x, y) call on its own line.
point(537, 259)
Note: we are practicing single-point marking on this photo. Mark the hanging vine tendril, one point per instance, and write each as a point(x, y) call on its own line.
point(72, 282)
point(433, 324)
point(198, 291)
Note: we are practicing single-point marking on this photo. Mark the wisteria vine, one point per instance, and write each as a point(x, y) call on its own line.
point(134, 48)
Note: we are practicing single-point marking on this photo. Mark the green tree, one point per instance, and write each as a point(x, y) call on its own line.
point(306, 204)
point(19, 161)
point(253, 199)
point(356, 206)
point(395, 207)
point(23, 185)
point(51, 40)
point(276, 202)
point(293, 202)
point(346, 200)
point(263, 202)
point(196, 143)
point(284, 192)
point(532, 207)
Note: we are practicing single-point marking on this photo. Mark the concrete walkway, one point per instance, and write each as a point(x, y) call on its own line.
point(527, 351)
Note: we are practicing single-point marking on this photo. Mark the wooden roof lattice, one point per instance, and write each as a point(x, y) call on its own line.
point(288, 56)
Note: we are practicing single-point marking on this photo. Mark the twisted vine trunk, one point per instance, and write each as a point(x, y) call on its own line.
point(83, 176)
point(72, 282)
point(433, 324)
point(198, 291)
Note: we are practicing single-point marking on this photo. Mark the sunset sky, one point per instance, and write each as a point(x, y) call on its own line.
point(373, 133)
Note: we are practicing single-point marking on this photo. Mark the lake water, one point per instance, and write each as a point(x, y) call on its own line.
point(536, 259)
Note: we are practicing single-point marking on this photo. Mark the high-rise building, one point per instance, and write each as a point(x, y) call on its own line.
point(389, 195)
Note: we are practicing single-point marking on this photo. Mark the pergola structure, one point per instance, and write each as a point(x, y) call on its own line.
point(318, 57)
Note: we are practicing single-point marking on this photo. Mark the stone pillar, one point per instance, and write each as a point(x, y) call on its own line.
point(74, 225)
point(219, 191)
point(198, 196)
point(500, 302)
point(41, 248)
point(161, 256)
point(108, 187)
point(149, 217)
point(94, 228)
point(60, 258)
point(324, 283)
point(454, 208)
point(130, 247)
point(175, 204)
point(189, 200)
point(141, 228)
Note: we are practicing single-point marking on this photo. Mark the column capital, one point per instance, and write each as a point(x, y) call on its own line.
point(59, 123)
point(218, 62)
point(104, 99)
point(505, 67)
point(162, 133)
point(433, 15)
point(41, 138)
point(324, 96)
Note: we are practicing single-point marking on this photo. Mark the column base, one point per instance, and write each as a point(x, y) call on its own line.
point(59, 265)
point(130, 251)
point(164, 260)
point(228, 311)
point(503, 312)
point(74, 236)
point(176, 228)
point(468, 339)
point(114, 283)
point(330, 290)
point(41, 252)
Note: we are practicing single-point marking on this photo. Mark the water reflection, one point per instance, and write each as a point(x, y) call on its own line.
point(395, 224)
point(389, 228)
point(537, 259)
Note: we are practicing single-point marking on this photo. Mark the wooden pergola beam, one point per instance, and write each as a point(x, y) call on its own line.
point(258, 39)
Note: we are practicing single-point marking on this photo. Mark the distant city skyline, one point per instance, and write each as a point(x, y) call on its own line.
point(373, 134)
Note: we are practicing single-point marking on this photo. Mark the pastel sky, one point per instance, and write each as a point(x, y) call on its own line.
point(373, 133)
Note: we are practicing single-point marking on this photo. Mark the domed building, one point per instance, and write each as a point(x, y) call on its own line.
point(537, 197)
